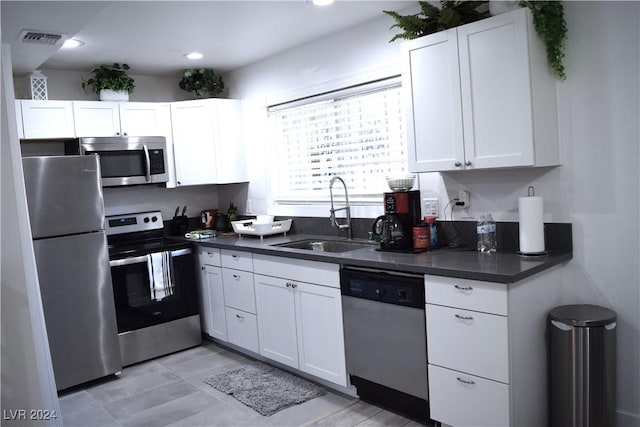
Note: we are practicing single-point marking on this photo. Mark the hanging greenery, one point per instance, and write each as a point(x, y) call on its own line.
point(549, 22)
point(432, 19)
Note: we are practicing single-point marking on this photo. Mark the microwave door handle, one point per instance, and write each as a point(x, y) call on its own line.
point(148, 160)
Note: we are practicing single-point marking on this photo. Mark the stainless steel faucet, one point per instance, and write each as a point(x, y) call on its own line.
point(334, 221)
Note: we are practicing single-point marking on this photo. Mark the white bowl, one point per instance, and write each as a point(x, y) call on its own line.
point(264, 219)
point(401, 182)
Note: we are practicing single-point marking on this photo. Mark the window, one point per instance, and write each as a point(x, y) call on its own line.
point(355, 133)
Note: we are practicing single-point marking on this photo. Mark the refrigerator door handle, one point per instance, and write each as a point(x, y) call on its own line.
point(148, 160)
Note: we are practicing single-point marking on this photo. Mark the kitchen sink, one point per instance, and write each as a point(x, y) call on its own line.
point(325, 245)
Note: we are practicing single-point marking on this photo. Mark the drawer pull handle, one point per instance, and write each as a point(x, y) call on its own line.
point(463, 288)
point(235, 256)
point(466, 382)
point(236, 276)
point(240, 317)
point(461, 317)
point(291, 285)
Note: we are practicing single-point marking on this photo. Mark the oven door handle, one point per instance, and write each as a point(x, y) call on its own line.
point(148, 160)
point(180, 252)
point(129, 261)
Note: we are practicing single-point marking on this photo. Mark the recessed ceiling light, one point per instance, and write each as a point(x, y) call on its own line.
point(194, 55)
point(71, 43)
point(322, 2)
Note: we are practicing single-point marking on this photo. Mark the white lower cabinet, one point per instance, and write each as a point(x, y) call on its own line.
point(239, 299)
point(460, 399)
point(300, 315)
point(486, 349)
point(211, 294)
point(242, 329)
point(214, 291)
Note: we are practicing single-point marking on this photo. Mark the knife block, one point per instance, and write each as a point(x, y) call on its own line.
point(179, 225)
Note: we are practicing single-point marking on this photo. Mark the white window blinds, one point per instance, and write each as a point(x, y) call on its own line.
point(355, 133)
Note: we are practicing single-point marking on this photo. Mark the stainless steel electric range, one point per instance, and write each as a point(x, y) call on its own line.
point(154, 288)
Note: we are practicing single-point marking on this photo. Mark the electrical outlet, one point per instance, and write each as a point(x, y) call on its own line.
point(464, 199)
point(431, 207)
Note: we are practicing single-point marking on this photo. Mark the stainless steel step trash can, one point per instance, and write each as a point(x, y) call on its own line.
point(582, 366)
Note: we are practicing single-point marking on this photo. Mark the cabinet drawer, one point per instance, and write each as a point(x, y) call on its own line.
point(468, 341)
point(464, 400)
point(467, 294)
point(320, 273)
point(237, 259)
point(242, 329)
point(238, 290)
point(209, 256)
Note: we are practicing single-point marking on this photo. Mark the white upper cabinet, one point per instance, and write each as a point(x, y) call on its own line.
point(207, 142)
point(47, 119)
point(480, 96)
point(100, 118)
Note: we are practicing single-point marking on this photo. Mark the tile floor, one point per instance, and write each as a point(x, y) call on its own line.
point(170, 391)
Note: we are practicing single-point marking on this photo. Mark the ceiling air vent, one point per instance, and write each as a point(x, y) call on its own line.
point(39, 37)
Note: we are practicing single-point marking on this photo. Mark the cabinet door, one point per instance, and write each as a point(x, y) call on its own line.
point(145, 119)
point(47, 119)
point(217, 325)
point(320, 332)
point(276, 320)
point(193, 142)
point(96, 118)
point(496, 92)
point(432, 95)
point(231, 167)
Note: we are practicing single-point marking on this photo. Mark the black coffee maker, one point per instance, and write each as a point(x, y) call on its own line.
point(395, 227)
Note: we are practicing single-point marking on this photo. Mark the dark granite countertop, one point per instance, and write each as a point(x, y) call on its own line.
point(500, 267)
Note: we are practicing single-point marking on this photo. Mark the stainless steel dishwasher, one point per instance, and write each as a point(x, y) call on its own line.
point(385, 338)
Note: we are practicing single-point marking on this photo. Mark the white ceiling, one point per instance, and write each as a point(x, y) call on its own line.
point(152, 36)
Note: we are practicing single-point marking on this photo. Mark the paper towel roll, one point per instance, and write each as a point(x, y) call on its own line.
point(531, 212)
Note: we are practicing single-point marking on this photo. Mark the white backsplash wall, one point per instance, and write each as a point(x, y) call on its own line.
point(137, 198)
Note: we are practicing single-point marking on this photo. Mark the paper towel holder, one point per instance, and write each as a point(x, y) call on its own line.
point(531, 192)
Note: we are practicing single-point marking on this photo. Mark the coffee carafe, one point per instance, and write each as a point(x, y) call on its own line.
point(389, 228)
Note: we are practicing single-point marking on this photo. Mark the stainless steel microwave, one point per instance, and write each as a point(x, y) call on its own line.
point(129, 160)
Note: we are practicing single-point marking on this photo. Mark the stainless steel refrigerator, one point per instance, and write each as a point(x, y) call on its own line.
point(66, 210)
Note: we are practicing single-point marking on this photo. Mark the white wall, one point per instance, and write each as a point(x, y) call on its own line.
point(596, 188)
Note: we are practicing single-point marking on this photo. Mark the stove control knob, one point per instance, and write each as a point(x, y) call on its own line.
point(154, 218)
point(146, 219)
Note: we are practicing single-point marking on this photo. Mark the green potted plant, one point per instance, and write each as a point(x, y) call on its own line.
point(111, 82)
point(201, 82)
point(432, 19)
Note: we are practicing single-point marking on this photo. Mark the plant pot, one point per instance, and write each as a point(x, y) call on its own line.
point(113, 95)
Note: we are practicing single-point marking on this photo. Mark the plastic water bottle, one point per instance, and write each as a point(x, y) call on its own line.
point(483, 237)
point(490, 224)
